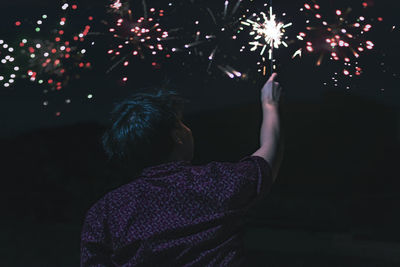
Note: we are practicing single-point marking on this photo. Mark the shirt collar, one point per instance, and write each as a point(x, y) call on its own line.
point(164, 168)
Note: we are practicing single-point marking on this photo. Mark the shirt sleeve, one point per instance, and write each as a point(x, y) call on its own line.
point(95, 248)
point(238, 186)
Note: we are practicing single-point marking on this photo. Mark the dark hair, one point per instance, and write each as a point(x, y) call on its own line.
point(140, 133)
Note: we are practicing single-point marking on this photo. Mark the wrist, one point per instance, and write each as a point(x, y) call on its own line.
point(270, 105)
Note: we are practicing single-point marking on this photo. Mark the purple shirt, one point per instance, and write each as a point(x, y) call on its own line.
point(176, 214)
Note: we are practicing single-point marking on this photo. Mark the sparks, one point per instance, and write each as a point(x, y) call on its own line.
point(268, 34)
point(56, 60)
point(332, 35)
point(135, 38)
point(9, 69)
point(213, 40)
point(116, 5)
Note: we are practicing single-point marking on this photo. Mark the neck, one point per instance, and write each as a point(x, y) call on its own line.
point(175, 156)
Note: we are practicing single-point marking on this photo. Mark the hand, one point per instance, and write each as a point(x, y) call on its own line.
point(271, 92)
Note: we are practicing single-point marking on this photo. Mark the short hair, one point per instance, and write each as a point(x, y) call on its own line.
point(141, 125)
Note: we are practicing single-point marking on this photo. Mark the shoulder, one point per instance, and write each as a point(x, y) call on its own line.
point(216, 173)
point(246, 164)
point(115, 197)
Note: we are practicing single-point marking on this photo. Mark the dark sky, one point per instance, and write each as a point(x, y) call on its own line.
point(21, 108)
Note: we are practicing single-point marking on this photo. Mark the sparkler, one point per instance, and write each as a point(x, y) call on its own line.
point(269, 31)
point(268, 34)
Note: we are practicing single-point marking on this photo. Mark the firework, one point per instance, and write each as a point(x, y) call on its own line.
point(335, 34)
point(9, 67)
point(119, 7)
point(268, 34)
point(132, 39)
point(55, 63)
point(116, 5)
point(212, 34)
point(56, 57)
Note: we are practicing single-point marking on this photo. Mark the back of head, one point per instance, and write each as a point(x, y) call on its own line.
point(139, 136)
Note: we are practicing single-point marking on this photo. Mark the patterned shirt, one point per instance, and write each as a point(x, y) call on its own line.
point(176, 214)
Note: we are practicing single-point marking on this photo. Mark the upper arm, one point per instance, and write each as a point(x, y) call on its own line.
point(95, 246)
point(239, 185)
point(272, 159)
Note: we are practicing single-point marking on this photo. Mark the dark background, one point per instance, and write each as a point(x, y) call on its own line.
point(335, 202)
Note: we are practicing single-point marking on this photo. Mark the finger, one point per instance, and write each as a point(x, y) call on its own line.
point(273, 77)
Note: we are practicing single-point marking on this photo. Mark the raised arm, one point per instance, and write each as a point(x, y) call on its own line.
point(270, 140)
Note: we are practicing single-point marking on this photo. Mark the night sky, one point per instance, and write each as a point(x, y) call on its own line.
point(22, 107)
point(335, 202)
